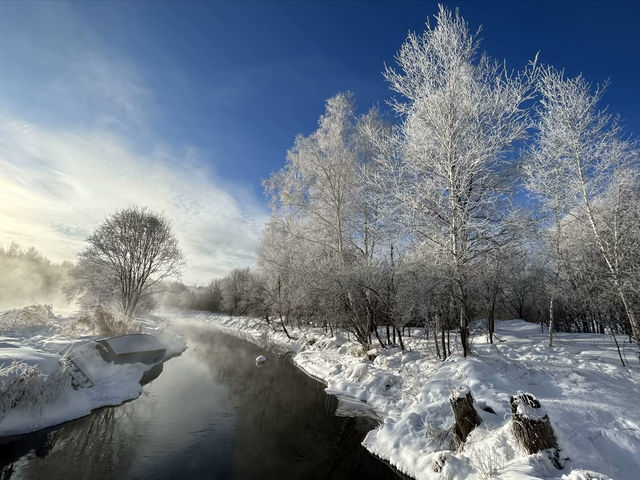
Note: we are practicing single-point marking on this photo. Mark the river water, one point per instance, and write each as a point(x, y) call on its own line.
point(211, 414)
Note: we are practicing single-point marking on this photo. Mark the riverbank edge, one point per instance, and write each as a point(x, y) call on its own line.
point(75, 404)
point(293, 346)
point(410, 392)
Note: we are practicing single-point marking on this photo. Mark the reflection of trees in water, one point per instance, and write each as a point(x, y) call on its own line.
point(285, 420)
point(101, 445)
point(37, 444)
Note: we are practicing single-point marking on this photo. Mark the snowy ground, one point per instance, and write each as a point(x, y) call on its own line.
point(590, 398)
point(36, 388)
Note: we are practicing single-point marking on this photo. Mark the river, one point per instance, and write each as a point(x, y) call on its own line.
point(211, 414)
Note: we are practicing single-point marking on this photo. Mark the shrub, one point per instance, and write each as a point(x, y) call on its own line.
point(31, 316)
point(24, 386)
point(101, 321)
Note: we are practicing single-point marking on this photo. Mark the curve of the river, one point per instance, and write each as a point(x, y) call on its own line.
point(211, 414)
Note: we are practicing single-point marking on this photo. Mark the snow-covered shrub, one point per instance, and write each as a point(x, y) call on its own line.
point(487, 464)
point(101, 321)
point(24, 386)
point(441, 439)
point(31, 316)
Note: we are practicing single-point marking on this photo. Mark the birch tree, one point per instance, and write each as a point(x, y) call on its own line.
point(462, 114)
point(316, 199)
point(578, 156)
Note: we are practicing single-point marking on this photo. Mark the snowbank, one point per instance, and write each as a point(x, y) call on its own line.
point(56, 401)
point(35, 384)
point(590, 398)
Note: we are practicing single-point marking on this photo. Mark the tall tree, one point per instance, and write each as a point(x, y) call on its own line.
point(462, 115)
point(319, 199)
point(579, 156)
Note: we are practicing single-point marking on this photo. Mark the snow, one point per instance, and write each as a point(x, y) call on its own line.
point(134, 343)
point(590, 398)
point(52, 400)
point(46, 362)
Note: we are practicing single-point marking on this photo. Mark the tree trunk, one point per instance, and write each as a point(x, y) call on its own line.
point(532, 427)
point(551, 322)
point(400, 339)
point(490, 320)
point(464, 333)
point(465, 415)
point(285, 329)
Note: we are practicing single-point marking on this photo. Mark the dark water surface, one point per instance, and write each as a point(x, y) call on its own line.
point(211, 414)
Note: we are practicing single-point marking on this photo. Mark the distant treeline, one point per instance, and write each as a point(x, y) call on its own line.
point(26, 277)
point(230, 295)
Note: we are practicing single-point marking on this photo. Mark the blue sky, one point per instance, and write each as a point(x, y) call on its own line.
point(185, 107)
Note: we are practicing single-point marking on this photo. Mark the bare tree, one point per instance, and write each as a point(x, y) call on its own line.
point(129, 253)
point(235, 287)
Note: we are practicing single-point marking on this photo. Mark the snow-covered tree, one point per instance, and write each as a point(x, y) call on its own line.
point(579, 156)
point(463, 113)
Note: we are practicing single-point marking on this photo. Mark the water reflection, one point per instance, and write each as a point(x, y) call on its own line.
point(96, 446)
point(210, 414)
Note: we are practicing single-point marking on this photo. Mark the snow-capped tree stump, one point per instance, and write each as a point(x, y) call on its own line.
point(532, 427)
point(466, 417)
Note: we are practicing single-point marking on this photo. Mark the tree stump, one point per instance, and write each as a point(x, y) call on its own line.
point(466, 417)
point(532, 427)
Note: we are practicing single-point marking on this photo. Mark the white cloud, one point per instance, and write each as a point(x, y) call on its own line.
point(76, 120)
point(57, 185)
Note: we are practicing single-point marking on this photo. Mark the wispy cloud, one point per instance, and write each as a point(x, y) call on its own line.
point(79, 139)
point(57, 185)
point(105, 85)
point(58, 70)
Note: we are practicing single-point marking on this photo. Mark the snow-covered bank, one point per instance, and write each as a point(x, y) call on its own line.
point(35, 384)
point(590, 398)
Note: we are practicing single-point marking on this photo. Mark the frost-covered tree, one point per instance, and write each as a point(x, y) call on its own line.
point(578, 157)
point(321, 204)
point(128, 253)
point(314, 200)
point(235, 288)
point(462, 114)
